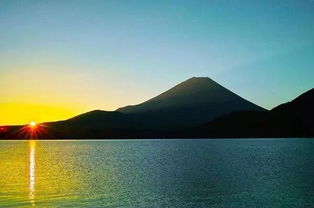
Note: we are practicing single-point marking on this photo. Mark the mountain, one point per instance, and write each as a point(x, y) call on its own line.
point(190, 103)
point(292, 119)
point(195, 108)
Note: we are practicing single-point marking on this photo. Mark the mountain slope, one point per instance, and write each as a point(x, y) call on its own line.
point(190, 103)
point(292, 119)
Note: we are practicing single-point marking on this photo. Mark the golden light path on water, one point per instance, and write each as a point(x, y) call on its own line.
point(32, 166)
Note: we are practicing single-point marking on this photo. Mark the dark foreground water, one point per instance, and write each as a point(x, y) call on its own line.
point(158, 173)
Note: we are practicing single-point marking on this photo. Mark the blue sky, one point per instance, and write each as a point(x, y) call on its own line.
point(107, 54)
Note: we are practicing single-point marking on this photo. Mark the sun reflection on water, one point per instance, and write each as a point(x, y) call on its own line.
point(32, 163)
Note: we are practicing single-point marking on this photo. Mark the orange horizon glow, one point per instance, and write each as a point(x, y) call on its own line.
point(24, 114)
point(44, 94)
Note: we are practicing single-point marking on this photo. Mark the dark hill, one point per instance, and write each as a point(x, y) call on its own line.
point(292, 119)
point(95, 124)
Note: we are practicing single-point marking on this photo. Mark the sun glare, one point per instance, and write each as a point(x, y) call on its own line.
point(32, 123)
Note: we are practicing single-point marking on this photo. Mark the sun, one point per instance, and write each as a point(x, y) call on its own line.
point(32, 124)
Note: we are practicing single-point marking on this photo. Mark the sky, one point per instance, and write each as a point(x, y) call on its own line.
point(62, 58)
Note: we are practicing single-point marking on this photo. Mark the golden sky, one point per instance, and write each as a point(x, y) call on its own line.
point(49, 95)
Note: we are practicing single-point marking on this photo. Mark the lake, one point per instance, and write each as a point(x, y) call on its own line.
point(158, 173)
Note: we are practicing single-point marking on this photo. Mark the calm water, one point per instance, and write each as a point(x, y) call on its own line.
point(158, 173)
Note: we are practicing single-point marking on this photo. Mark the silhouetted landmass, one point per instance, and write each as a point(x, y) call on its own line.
point(190, 103)
point(292, 119)
point(195, 108)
